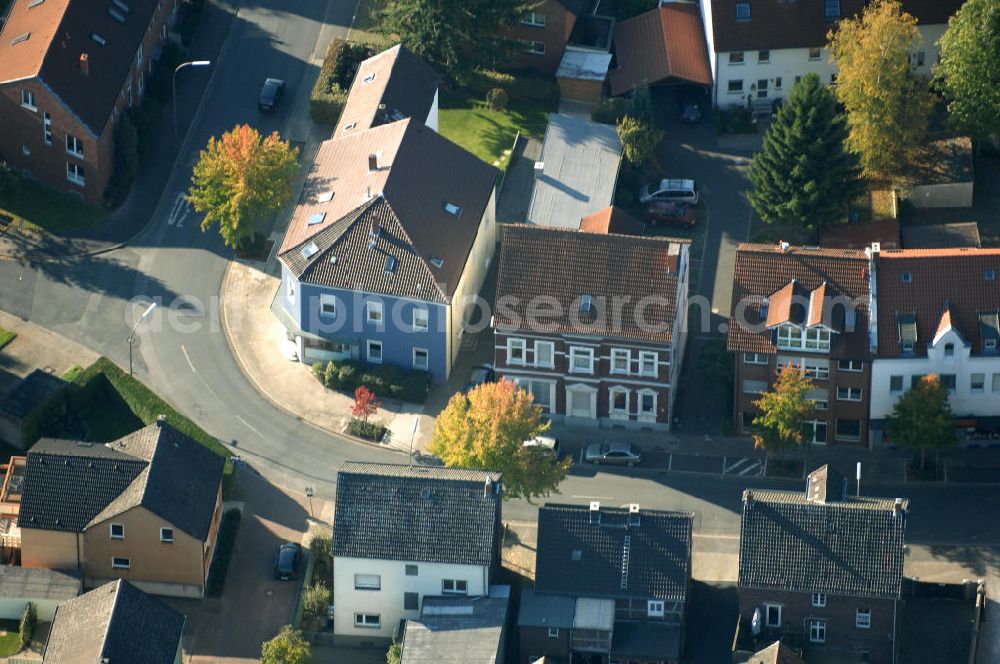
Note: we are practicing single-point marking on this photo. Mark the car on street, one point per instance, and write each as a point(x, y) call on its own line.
point(622, 454)
point(270, 94)
point(481, 375)
point(689, 110)
point(670, 214)
point(669, 189)
point(544, 442)
point(286, 566)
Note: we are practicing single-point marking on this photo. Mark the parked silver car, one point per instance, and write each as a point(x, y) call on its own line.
point(622, 454)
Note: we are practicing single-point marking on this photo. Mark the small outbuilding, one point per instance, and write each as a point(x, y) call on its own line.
point(581, 75)
point(45, 588)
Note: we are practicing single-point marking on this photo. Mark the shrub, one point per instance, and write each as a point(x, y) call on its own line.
point(496, 99)
point(610, 111)
point(368, 430)
point(321, 548)
point(318, 371)
point(347, 375)
point(27, 627)
point(524, 85)
point(331, 376)
point(385, 380)
point(315, 599)
point(225, 543)
point(639, 140)
point(329, 94)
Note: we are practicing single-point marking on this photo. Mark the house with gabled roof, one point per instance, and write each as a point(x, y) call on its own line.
point(823, 568)
point(459, 630)
point(69, 69)
point(116, 622)
point(610, 583)
point(144, 508)
point(393, 233)
point(403, 533)
point(938, 312)
point(593, 324)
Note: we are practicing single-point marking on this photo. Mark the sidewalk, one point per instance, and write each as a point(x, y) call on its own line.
point(255, 337)
point(132, 217)
point(37, 348)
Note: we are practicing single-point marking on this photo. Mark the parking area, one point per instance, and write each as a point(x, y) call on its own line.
point(656, 457)
point(253, 606)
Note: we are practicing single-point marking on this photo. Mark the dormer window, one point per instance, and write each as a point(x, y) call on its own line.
point(368, 79)
point(310, 250)
point(742, 11)
point(586, 304)
point(990, 275)
point(907, 278)
point(325, 197)
point(792, 337)
point(452, 209)
point(316, 218)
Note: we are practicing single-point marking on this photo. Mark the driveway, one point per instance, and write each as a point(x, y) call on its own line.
point(253, 606)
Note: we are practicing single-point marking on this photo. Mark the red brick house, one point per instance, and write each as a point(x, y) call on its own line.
point(823, 569)
point(592, 324)
point(68, 70)
point(808, 307)
point(545, 30)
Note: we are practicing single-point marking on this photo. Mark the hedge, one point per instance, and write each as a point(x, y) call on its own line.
point(225, 543)
point(329, 94)
point(372, 431)
point(384, 380)
point(523, 85)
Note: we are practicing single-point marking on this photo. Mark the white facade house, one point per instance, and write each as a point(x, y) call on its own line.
point(403, 533)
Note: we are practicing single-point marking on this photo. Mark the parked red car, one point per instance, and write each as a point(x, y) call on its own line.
point(671, 213)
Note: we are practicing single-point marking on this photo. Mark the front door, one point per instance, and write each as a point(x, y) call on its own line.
point(762, 88)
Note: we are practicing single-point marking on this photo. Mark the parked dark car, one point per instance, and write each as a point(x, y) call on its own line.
point(481, 375)
point(671, 214)
point(286, 566)
point(270, 94)
point(622, 454)
point(689, 110)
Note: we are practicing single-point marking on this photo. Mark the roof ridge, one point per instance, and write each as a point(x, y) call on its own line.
point(111, 614)
point(945, 252)
point(576, 232)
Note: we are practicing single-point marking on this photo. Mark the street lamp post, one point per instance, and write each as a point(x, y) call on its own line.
point(193, 63)
point(131, 336)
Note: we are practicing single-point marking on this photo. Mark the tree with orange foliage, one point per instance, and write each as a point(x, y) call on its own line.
point(486, 429)
point(239, 179)
point(783, 411)
point(365, 403)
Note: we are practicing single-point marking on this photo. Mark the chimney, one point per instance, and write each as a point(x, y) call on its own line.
point(784, 246)
point(633, 515)
point(539, 169)
point(372, 162)
point(897, 507)
point(487, 488)
point(748, 497)
point(595, 511)
point(85, 64)
point(161, 420)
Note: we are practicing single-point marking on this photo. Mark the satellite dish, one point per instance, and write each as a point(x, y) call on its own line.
point(755, 622)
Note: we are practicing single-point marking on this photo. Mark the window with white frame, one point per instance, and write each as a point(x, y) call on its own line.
point(648, 361)
point(76, 174)
point(121, 562)
point(454, 587)
point(368, 582)
point(28, 100)
point(814, 52)
point(821, 404)
point(734, 86)
point(553, 632)
point(772, 615)
point(420, 319)
point(654, 608)
point(736, 57)
point(863, 619)
point(621, 360)
point(541, 390)
point(813, 369)
point(74, 146)
point(647, 404)
point(850, 365)
point(371, 620)
point(117, 531)
point(167, 535)
point(763, 57)
point(819, 600)
point(516, 351)
point(793, 337)
point(848, 394)
point(374, 312)
point(755, 358)
point(533, 47)
point(817, 631)
point(534, 19)
point(375, 352)
point(545, 352)
point(977, 382)
point(618, 400)
point(815, 431)
point(817, 338)
point(47, 128)
point(895, 383)
point(328, 304)
point(421, 359)
point(581, 360)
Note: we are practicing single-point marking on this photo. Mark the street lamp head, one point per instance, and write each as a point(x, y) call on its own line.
point(148, 311)
point(200, 63)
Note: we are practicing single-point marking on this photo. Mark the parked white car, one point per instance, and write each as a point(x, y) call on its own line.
point(678, 191)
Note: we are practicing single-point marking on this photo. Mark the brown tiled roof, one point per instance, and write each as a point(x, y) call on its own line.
point(566, 264)
point(423, 171)
point(668, 42)
point(861, 236)
point(762, 270)
point(776, 653)
point(611, 219)
point(778, 24)
point(57, 61)
point(403, 87)
point(938, 278)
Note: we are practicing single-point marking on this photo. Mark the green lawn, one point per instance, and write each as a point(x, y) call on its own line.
point(6, 336)
point(365, 28)
point(465, 120)
point(42, 207)
point(10, 642)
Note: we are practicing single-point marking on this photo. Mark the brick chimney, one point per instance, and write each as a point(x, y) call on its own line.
point(85, 64)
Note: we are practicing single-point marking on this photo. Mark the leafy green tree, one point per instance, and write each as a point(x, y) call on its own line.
point(486, 429)
point(455, 36)
point(968, 74)
point(315, 600)
point(803, 175)
point(288, 647)
point(641, 105)
point(395, 653)
point(888, 105)
point(922, 418)
point(783, 411)
point(239, 179)
point(639, 140)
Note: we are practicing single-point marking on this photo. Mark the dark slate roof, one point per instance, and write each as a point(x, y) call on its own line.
point(71, 485)
point(848, 547)
point(116, 622)
point(605, 554)
point(419, 513)
point(458, 630)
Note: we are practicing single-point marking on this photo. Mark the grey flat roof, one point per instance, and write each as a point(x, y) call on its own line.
point(542, 610)
point(581, 161)
point(36, 583)
point(459, 630)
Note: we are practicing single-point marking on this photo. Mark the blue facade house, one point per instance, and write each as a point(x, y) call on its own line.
point(393, 234)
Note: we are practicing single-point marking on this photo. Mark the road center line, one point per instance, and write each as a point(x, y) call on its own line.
point(249, 426)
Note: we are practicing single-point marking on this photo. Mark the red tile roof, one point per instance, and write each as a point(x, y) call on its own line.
point(944, 286)
point(663, 43)
point(563, 265)
point(762, 271)
point(611, 219)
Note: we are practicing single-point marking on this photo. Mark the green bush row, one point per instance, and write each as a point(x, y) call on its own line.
point(225, 543)
point(372, 431)
point(524, 85)
point(384, 380)
point(329, 94)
